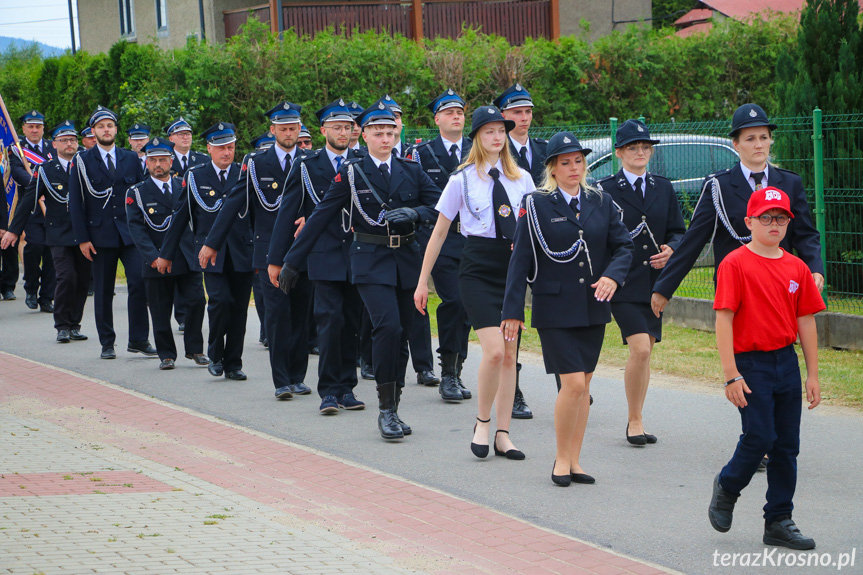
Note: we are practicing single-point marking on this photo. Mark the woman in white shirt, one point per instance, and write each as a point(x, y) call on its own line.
point(485, 191)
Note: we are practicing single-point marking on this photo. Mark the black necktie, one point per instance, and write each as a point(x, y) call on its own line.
point(575, 207)
point(639, 191)
point(385, 173)
point(522, 159)
point(166, 189)
point(453, 157)
point(223, 176)
point(110, 161)
point(68, 167)
point(287, 163)
point(504, 218)
point(185, 164)
point(758, 176)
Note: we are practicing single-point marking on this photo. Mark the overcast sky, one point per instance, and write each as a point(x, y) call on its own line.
point(45, 21)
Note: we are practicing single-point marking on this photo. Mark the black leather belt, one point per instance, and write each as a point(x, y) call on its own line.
point(389, 241)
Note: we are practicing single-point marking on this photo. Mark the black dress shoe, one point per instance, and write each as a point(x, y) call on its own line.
point(509, 454)
point(31, 301)
point(638, 440)
point(650, 438)
point(583, 478)
point(64, 336)
point(9, 295)
point(299, 388)
point(108, 352)
point(46, 306)
point(236, 375)
point(427, 377)
point(562, 480)
point(478, 449)
point(520, 410)
point(166, 363)
point(215, 368)
point(198, 358)
point(783, 531)
point(266, 343)
point(367, 372)
point(77, 335)
point(142, 347)
point(721, 510)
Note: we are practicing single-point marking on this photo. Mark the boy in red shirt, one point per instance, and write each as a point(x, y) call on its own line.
point(765, 297)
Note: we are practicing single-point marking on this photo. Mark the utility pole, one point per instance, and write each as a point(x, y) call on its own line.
point(72, 27)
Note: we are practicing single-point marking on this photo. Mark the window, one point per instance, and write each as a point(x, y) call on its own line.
point(127, 18)
point(161, 15)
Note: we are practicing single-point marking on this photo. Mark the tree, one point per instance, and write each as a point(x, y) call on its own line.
point(823, 69)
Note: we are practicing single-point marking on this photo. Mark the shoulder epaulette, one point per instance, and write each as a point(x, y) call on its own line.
point(540, 141)
point(719, 173)
point(310, 155)
point(403, 159)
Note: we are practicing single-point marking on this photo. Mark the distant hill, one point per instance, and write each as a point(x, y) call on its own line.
point(6, 42)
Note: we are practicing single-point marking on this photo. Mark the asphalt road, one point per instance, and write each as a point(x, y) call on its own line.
point(649, 503)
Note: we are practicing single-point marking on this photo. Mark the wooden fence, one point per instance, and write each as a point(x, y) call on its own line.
point(515, 20)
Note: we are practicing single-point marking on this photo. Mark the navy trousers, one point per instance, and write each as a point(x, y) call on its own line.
point(104, 278)
point(161, 294)
point(39, 275)
point(338, 310)
point(260, 307)
point(391, 310)
point(228, 296)
point(771, 425)
point(73, 277)
point(287, 330)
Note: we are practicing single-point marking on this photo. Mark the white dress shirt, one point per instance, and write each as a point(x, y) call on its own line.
point(479, 219)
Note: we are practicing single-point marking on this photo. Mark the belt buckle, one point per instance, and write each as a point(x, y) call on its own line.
point(458, 227)
point(395, 241)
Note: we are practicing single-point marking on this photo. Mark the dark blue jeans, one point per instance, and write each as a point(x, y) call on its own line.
point(771, 425)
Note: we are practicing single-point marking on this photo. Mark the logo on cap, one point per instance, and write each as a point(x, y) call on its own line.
point(491, 110)
point(286, 106)
point(33, 113)
point(753, 113)
point(67, 122)
point(221, 126)
point(341, 102)
point(381, 105)
point(155, 141)
point(450, 92)
point(640, 129)
point(518, 87)
point(772, 195)
point(566, 140)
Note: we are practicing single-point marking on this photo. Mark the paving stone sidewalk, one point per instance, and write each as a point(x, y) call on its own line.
point(97, 479)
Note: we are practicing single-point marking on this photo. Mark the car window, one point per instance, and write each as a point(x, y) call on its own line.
point(601, 168)
point(690, 160)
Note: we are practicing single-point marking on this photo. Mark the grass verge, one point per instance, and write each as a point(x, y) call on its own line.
point(691, 354)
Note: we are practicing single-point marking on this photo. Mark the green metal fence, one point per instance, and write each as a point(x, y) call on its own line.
point(690, 150)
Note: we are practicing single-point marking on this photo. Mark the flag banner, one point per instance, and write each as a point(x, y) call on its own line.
point(8, 141)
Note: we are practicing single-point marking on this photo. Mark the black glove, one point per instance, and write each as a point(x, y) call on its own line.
point(402, 216)
point(288, 278)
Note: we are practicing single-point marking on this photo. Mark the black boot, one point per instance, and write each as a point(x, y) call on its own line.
point(449, 390)
point(465, 392)
point(406, 429)
point(388, 419)
point(520, 410)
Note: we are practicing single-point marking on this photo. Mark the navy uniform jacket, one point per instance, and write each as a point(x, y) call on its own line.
point(562, 296)
point(801, 235)
point(188, 211)
point(192, 159)
point(664, 219)
point(373, 263)
point(52, 183)
point(145, 201)
point(102, 220)
point(436, 163)
point(538, 156)
point(329, 258)
point(243, 198)
point(35, 226)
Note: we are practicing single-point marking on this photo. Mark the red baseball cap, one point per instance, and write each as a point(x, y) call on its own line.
point(767, 199)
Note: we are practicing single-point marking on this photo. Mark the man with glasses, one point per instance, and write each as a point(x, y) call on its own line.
point(51, 184)
point(179, 132)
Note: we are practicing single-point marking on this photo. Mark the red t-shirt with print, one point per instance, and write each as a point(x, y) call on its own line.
point(767, 296)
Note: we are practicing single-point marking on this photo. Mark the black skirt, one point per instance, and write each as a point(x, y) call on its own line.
point(633, 318)
point(482, 279)
point(571, 349)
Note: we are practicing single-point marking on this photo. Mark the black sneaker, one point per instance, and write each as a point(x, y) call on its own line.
point(721, 510)
point(783, 531)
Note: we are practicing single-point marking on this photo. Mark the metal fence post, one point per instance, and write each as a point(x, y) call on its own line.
point(820, 212)
point(612, 126)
